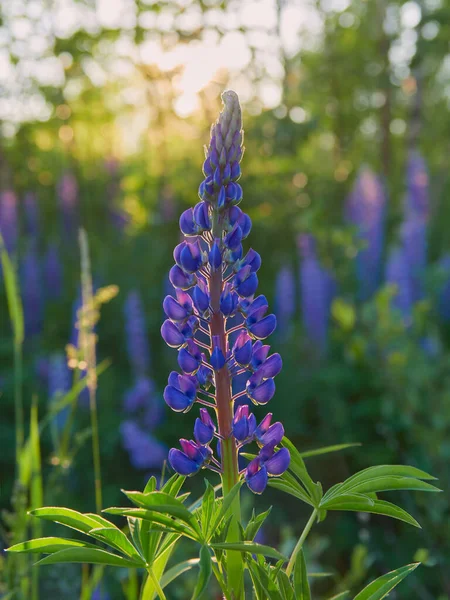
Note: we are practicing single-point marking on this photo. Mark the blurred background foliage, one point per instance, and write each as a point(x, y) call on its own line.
point(104, 108)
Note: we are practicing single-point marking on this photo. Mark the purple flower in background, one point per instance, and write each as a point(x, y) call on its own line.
point(398, 274)
point(59, 383)
point(413, 235)
point(217, 324)
point(53, 273)
point(365, 209)
point(317, 292)
point(444, 293)
point(284, 300)
point(31, 214)
point(100, 594)
point(142, 398)
point(136, 334)
point(8, 219)
point(417, 201)
point(68, 202)
point(145, 451)
point(32, 296)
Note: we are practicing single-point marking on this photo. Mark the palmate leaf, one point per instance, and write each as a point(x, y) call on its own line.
point(160, 522)
point(93, 556)
point(226, 503)
point(301, 584)
point(297, 466)
point(208, 507)
point(255, 523)
point(252, 548)
point(117, 539)
point(381, 471)
point(177, 570)
point(48, 545)
point(378, 507)
point(265, 588)
point(380, 588)
point(163, 503)
point(82, 522)
point(204, 575)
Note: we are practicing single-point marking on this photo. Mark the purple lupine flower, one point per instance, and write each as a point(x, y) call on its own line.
point(136, 334)
point(365, 209)
point(417, 200)
point(444, 292)
point(31, 214)
point(53, 273)
point(142, 399)
point(413, 236)
point(100, 594)
point(145, 451)
point(317, 291)
point(8, 219)
point(217, 324)
point(32, 297)
point(59, 383)
point(285, 300)
point(398, 274)
point(68, 202)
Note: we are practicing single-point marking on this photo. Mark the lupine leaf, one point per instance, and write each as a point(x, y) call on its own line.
point(297, 491)
point(360, 499)
point(117, 539)
point(150, 486)
point(204, 575)
point(297, 466)
point(177, 570)
point(226, 503)
point(301, 584)
point(67, 516)
point(255, 523)
point(93, 556)
point(164, 503)
point(341, 596)
point(173, 485)
point(379, 471)
point(327, 449)
point(285, 586)
point(48, 545)
point(268, 589)
point(384, 484)
point(250, 547)
point(167, 522)
point(381, 587)
point(380, 507)
point(208, 506)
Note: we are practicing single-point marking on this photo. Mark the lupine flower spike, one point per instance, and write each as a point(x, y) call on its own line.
point(217, 322)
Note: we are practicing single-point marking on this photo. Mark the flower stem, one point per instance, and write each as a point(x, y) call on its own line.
point(224, 402)
point(300, 542)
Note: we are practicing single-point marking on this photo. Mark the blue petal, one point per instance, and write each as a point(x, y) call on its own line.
point(181, 463)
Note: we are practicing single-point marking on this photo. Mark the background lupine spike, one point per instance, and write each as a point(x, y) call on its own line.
point(9, 219)
point(138, 348)
point(285, 298)
point(53, 273)
point(365, 209)
point(32, 296)
point(224, 319)
point(59, 383)
point(31, 214)
point(317, 290)
point(398, 274)
point(417, 200)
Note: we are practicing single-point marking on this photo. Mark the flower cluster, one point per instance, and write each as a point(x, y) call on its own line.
point(217, 323)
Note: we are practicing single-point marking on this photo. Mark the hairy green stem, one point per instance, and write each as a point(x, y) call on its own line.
point(300, 542)
point(224, 402)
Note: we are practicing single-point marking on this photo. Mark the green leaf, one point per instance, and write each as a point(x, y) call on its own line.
point(117, 539)
point(68, 517)
point(297, 466)
point(149, 592)
point(381, 587)
point(265, 587)
point(178, 570)
point(208, 506)
point(328, 449)
point(166, 522)
point(89, 556)
point(226, 503)
point(12, 295)
point(280, 483)
point(384, 484)
point(173, 485)
point(341, 596)
point(204, 575)
point(255, 524)
point(379, 471)
point(285, 586)
point(150, 486)
point(358, 499)
point(380, 507)
point(301, 585)
point(250, 547)
point(164, 503)
point(47, 545)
